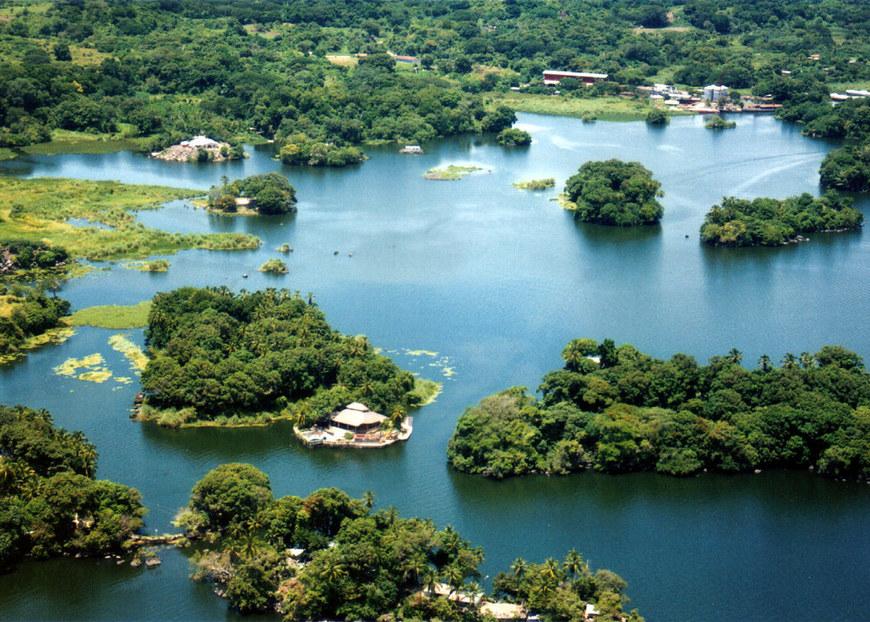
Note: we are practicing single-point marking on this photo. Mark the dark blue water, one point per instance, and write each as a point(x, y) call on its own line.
point(495, 281)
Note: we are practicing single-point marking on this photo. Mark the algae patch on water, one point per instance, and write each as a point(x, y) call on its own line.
point(95, 371)
point(452, 172)
point(113, 316)
point(122, 344)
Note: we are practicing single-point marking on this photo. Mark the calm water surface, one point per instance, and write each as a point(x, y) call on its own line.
point(494, 281)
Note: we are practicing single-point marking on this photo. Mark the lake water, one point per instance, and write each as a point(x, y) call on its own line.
point(494, 281)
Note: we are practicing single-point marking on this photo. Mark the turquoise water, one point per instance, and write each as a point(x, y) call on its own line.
point(495, 281)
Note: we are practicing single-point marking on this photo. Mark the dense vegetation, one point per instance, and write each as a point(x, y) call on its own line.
point(772, 222)
point(50, 504)
point(166, 70)
point(269, 193)
point(512, 137)
point(38, 210)
point(22, 255)
point(215, 354)
point(614, 192)
point(657, 117)
point(26, 312)
point(625, 411)
point(354, 564)
point(718, 123)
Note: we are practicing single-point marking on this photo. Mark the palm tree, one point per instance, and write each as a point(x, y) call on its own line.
point(398, 415)
point(764, 363)
point(332, 570)
point(550, 571)
point(735, 356)
point(789, 361)
point(7, 473)
point(807, 360)
point(519, 567)
point(453, 576)
point(368, 499)
point(574, 564)
point(572, 354)
point(413, 568)
point(429, 579)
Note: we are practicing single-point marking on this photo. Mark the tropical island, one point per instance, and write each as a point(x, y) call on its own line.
point(615, 193)
point(28, 317)
point(512, 137)
point(615, 409)
point(308, 558)
point(718, 123)
point(535, 184)
point(269, 193)
point(221, 358)
point(200, 149)
point(773, 222)
point(50, 503)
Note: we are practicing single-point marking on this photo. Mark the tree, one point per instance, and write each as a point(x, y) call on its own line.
point(61, 52)
point(614, 192)
point(656, 116)
point(574, 564)
point(231, 495)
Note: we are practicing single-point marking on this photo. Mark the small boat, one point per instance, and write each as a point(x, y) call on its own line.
point(412, 150)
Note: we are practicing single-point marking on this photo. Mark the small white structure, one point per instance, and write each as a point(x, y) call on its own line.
point(201, 141)
point(357, 418)
point(503, 611)
point(714, 93)
point(591, 611)
point(552, 77)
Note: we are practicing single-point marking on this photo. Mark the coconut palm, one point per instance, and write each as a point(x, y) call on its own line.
point(368, 499)
point(550, 570)
point(789, 361)
point(519, 567)
point(735, 356)
point(764, 363)
point(574, 564)
point(807, 360)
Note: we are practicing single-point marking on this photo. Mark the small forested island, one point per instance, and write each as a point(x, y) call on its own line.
point(657, 116)
point(451, 172)
point(718, 123)
point(269, 193)
point(200, 149)
point(615, 409)
point(613, 192)
point(26, 313)
point(512, 137)
point(50, 503)
point(40, 211)
point(275, 266)
point(535, 184)
point(328, 556)
point(774, 222)
point(220, 358)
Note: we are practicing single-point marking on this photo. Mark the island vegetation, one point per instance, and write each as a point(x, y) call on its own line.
point(535, 184)
point(718, 123)
point(328, 556)
point(26, 314)
point(512, 137)
point(451, 172)
point(50, 503)
point(773, 222)
point(658, 117)
point(615, 409)
point(275, 266)
point(225, 358)
point(269, 193)
point(38, 211)
point(614, 193)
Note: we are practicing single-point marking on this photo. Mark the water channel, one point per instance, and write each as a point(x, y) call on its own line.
point(480, 285)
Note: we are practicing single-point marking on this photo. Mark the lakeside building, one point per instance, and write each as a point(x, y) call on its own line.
point(552, 77)
point(358, 419)
point(714, 93)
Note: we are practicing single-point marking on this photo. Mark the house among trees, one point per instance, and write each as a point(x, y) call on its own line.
point(552, 78)
point(714, 93)
point(358, 419)
point(201, 141)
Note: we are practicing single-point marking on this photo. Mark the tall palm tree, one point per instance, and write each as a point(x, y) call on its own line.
point(574, 564)
point(550, 570)
point(807, 360)
point(413, 567)
point(519, 567)
point(454, 577)
point(789, 361)
point(735, 356)
point(368, 499)
point(764, 363)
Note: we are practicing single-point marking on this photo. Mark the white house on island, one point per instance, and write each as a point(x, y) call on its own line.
point(357, 418)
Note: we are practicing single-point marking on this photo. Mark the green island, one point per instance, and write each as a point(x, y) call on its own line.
point(219, 358)
point(614, 193)
point(117, 317)
point(512, 137)
point(535, 184)
point(275, 266)
point(615, 409)
point(38, 211)
point(451, 172)
point(29, 318)
point(268, 193)
point(308, 558)
point(657, 117)
point(718, 123)
point(50, 503)
point(774, 222)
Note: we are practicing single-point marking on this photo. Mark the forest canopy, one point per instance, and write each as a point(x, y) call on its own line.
point(348, 562)
point(614, 192)
point(269, 193)
point(50, 503)
point(773, 222)
point(214, 353)
point(616, 409)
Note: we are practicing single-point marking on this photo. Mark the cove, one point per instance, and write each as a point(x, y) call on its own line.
point(495, 281)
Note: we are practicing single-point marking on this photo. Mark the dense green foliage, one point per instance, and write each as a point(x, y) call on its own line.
point(614, 192)
point(50, 504)
point(657, 117)
point(718, 123)
point(17, 255)
point(214, 352)
point(772, 222)
point(561, 592)
point(625, 411)
point(270, 193)
point(511, 137)
point(354, 564)
point(26, 312)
